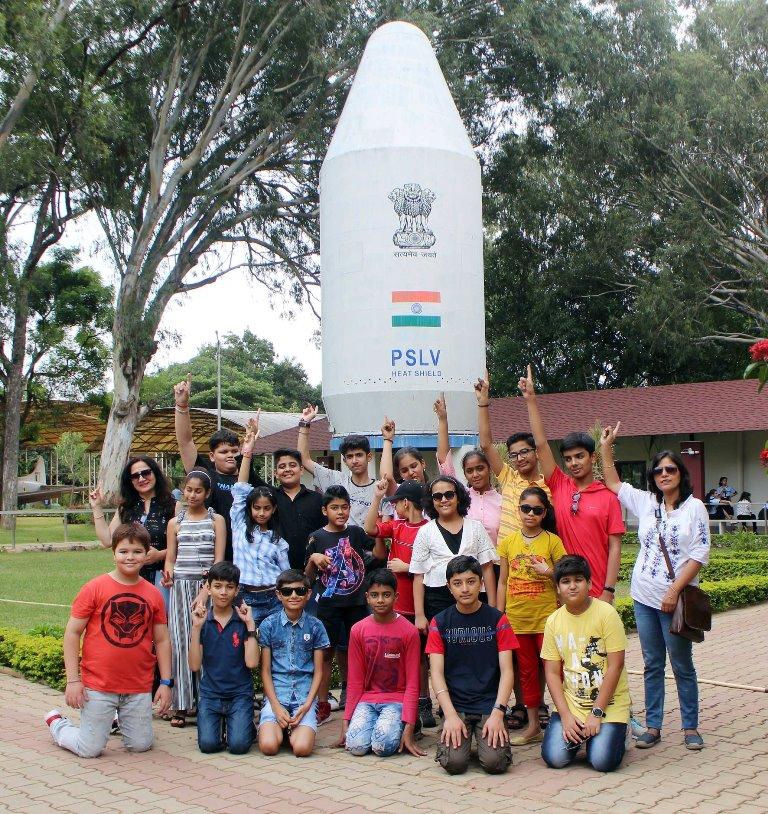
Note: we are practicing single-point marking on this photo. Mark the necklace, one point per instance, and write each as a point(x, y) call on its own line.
point(528, 537)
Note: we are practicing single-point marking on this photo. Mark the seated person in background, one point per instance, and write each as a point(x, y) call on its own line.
point(470, 648)
point(583, 653)
point(224, 644)
point(744, 510)
point(724, 491)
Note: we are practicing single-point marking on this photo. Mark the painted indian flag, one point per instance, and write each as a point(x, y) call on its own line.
point(414, 302)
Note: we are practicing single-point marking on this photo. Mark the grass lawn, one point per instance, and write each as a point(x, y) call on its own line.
point(33, 530)
point(45, 576)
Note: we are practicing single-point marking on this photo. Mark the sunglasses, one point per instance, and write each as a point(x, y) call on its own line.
point(575, 498)
point(538, 511)
point(670, 470)
point(521, 453)
point(142, 473)
point(302, 590)
point(438, 496)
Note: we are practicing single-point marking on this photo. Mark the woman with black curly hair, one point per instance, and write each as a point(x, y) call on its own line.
point(449, 533)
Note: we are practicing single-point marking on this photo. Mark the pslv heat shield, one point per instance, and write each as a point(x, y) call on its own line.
point(401, 247)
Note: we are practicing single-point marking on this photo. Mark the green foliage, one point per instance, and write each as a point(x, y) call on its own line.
point(37, 657)
point(71, 452)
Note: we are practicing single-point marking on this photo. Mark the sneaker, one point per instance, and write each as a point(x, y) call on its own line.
point(647, 740)
point(53, 716)
point(636, 728)
point(343, 697)
point(323, 712)
point(333, 702)
point(426, 716)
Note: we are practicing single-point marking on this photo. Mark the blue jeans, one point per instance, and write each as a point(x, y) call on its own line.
point(605, 750)
point(262, 604)
point(656, 641)
point(213, 712)
point(375, 728)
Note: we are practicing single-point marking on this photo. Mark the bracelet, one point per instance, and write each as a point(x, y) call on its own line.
point(99, 516)
point(440, 691)
point(246, 454)
point(484, 405)
point(181, 409)
point(609, 589)
point(75, 681)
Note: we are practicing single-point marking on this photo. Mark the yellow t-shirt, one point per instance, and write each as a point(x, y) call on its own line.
point(511, 485)
point(582, 643)
point(531, 597)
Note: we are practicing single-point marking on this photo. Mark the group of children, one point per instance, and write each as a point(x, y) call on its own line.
point(468, 586)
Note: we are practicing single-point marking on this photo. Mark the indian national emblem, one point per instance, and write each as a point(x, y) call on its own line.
point(413, 205)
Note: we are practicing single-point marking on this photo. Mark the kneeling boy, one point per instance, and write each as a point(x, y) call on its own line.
point(292, 645)
point(470, 649)
point(383, 682)
point(585, 640)
point(224, 643)
point(122, 616)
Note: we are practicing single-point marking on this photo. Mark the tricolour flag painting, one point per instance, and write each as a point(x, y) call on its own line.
point(414, 301)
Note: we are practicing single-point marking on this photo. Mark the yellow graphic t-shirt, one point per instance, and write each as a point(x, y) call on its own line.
point(511, 485)
point(531, 597)
point(582, 643)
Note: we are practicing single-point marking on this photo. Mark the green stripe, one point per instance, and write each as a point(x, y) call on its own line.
point(415, 322)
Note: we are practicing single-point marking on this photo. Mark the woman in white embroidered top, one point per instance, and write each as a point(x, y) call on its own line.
point(669, 509)
point(449, 533)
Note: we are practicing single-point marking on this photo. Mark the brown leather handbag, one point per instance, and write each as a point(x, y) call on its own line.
point(693, 612)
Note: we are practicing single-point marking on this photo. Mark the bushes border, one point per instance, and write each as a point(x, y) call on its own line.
point(38, 658)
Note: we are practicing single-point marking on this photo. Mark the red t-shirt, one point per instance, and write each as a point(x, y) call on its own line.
point(383, 667)
point(117, 648)
point(586, 531)
point(402, 534)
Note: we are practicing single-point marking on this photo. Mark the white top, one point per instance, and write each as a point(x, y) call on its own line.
point(360, 497)
point(686, 535)
point(743, 507)
point(431, 554)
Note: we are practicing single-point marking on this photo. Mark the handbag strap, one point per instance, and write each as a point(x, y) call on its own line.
point(663, 545)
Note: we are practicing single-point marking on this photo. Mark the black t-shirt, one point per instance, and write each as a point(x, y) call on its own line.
point(299, 517)
point(470, 644)
point(452, 540)
point(156, 523)
point(220, 499)
point(342, 584)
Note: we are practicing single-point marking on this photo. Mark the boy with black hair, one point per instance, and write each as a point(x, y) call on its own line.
point(383, 683)
point(121, 620)
point(470, 656)
point(292, 645)
point(341, 554)
point(222, 463)
point(588, 514)
point(583, 653)
point(224, 643)
point(356, 454)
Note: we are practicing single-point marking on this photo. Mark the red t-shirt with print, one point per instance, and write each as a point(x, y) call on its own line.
point(402, 534)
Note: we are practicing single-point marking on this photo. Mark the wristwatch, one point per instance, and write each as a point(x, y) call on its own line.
point(252, 634)
point(501, 707)
point(598, 713)
point(610, 589)
point(166, 682)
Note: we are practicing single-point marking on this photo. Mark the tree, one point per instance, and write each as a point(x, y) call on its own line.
point(72, 452)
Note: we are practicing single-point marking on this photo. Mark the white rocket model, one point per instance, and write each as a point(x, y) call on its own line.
point(401, 247)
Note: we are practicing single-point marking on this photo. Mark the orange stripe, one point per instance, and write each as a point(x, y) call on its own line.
point(415, 296)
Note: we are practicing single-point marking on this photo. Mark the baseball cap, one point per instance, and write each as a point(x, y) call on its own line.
point(409, 490)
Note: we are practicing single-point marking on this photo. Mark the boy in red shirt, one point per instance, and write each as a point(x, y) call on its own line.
point(122, 616)
point(588, 514)
point(383, 678)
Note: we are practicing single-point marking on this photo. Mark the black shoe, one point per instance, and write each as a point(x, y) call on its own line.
point(426, 716)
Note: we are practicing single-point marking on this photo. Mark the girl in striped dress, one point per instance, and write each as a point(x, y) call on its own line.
point(196, 539)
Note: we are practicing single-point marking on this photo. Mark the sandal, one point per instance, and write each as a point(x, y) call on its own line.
point(179, 720)
point(517, 717)
point(694, 742)
point(647, 740)
point(543, 716)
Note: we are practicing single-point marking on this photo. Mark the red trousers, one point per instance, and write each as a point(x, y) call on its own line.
point(528, 661)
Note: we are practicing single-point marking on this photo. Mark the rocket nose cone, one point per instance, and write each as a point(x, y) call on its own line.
point(399, 98)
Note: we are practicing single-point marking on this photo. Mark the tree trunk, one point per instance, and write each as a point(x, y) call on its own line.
point(123, 417)
point(14, 393)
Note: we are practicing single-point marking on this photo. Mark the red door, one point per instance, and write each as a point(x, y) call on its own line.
point(692, 453)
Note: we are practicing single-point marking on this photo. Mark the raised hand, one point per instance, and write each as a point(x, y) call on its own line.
point(181, 392)
point(244, 612)
point(441, 411)
point(482, 390)
point(388, 429)
point(96, 498)
point(252, 425)
point(199, 613)
point(381, 486)
point(309, 413)
point(526, 385)
point(609, 435)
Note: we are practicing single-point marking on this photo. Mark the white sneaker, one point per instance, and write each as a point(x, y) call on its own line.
point(53, 716)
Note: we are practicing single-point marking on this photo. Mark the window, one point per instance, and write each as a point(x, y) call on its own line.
point(633, 472)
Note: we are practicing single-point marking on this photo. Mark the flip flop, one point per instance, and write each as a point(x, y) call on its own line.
point(522, 740)
point(179, 720)
point(517, 717)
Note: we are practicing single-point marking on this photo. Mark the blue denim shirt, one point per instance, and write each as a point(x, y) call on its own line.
point(292, 646)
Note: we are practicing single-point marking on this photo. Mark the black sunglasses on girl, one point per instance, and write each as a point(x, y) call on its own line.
point(670, 470)
point(438, 496)
point(526, 508)
point(299, 591)
point(142, 473)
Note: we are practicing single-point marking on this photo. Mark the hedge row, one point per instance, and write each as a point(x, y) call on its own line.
point(730, 593)
point(738, 540)
point(39, 658)
point(744, 564)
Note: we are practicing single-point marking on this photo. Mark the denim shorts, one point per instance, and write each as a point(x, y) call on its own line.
point(310, 719)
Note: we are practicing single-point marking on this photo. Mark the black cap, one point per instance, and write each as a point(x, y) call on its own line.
point(409, 490)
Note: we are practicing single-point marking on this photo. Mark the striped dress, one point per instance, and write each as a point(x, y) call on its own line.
point(194, 556)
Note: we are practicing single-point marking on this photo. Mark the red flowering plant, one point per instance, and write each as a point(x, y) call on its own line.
point(758, 369)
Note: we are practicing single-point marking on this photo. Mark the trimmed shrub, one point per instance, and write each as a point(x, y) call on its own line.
point(39, 658)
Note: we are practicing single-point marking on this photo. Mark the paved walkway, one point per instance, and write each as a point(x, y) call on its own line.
point(731, 774)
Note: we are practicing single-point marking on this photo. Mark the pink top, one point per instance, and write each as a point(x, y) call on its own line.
point(383, 666)
point(485, 506)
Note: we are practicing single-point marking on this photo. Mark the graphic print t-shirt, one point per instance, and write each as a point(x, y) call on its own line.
point(402, 534)
point(471, 643)
point(342, 584)
point(117, 648)
point(583, 643)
